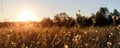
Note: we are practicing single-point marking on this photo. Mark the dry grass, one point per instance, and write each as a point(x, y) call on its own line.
point(60, 37)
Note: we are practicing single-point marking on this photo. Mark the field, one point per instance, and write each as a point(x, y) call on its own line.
point(60, 37)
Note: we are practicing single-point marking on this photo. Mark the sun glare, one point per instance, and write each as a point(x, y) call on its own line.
point(26, 15)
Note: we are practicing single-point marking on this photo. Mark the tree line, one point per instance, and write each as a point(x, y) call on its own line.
point(101, 18)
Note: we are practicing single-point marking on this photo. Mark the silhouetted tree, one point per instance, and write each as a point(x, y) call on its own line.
point(72, 22)
point(110, 20)
point(100, 19)
point(103, 10)
point(63, 19)
point(79, 18)
point(92, 20)
point(47, 22)
point(56, 20)
point(115, 12)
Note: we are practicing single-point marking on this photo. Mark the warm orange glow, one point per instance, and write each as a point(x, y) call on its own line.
point(26, 15)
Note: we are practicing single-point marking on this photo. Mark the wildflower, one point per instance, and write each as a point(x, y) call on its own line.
point(69, 33)
point(111, 33)
point(96, 31)
point(38, 42)
point(11, 30)
point(93, 39)
point(23, 45)
point(85, 32)
point(81, 46)
point(86, 44)
point(8, 35)
point(13, 43)
point(65, 46)
point(77, 38)
point(31, 45)
point(97, 39)
point(26, 46)
point(119, 43)
point(118, 25)
point(109, 43)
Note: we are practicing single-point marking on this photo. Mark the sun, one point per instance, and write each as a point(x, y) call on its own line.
point(26, 15)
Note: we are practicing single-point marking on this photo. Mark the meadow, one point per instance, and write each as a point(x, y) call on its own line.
point(58, 24)
point(29, 36)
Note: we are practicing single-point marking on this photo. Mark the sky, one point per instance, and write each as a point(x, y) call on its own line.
point(49, 8)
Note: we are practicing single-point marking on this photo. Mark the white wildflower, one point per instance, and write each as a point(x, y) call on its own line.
point(85, 32)
point(65, 46)
point(109, 43)
point(86, 44)
point(77, 38)
point(96, 31)
point(119, 43)
point(119, 33)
